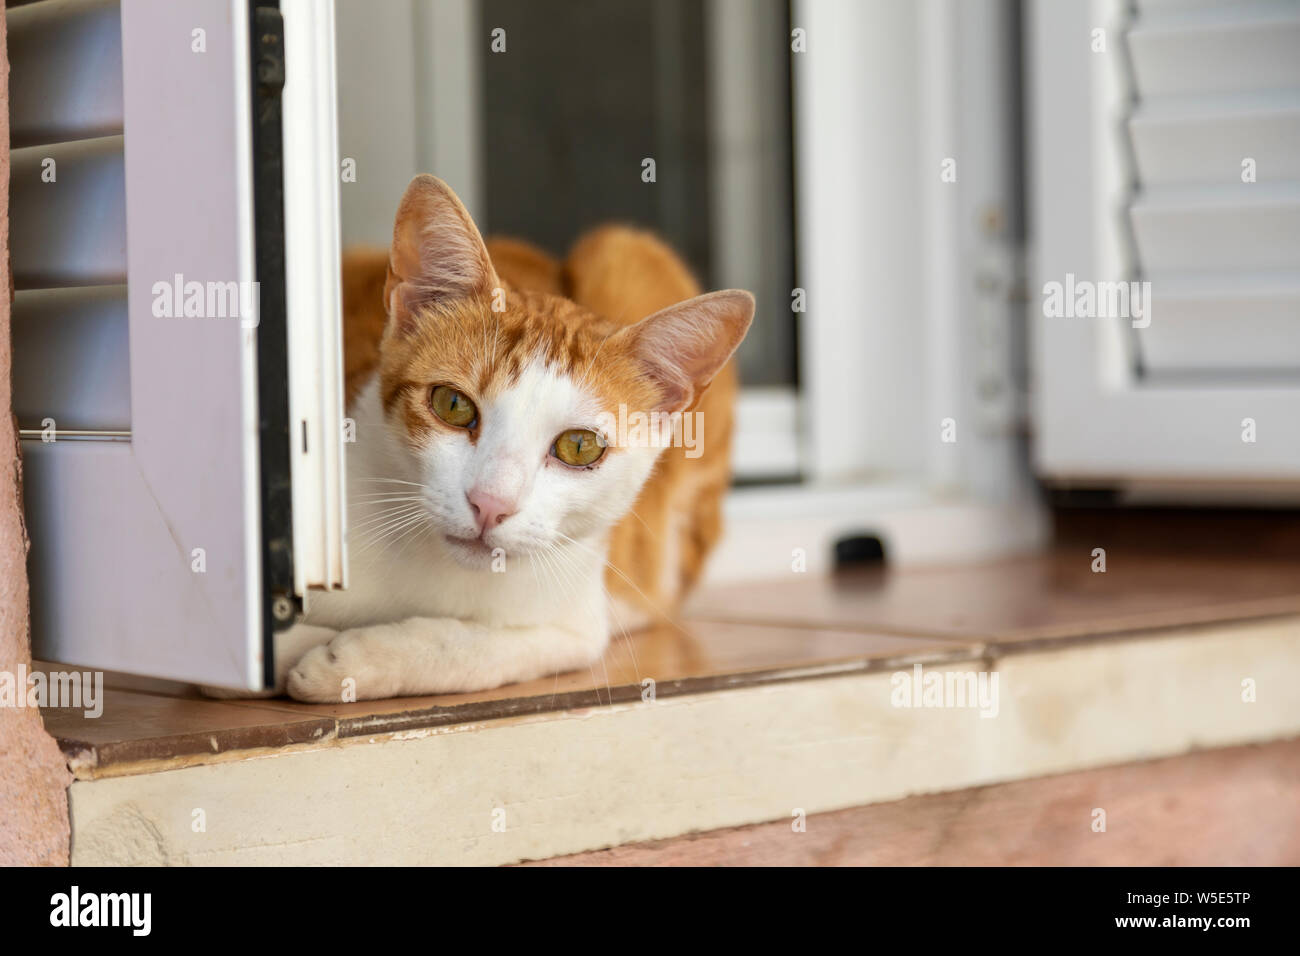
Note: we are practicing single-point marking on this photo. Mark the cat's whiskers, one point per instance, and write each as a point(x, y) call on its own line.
point(567, 563)
point(553, 553)
point(545, 557)
point(591, 362)
point(543, 560)
point(649, 601)
point(386, 532)
point(496, 340)
point(626, 635)
point(535, 561)
point(532, 563)
point(370, 509)
point(654, 534)
point(366, 535)
point(615, 569)
point(367, 554)
point(418, 530)
point(364, 511)
point(385, 515)
point(577, 575)
point(370, 550)
point(549, 560)
point(611, 605)
point(394, 481)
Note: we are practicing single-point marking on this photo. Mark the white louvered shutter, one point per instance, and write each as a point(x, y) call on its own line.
point(182, 473)
point(1137, 157)
point(1215, 131)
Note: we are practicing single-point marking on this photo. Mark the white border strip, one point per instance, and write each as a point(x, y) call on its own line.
point(587, 779)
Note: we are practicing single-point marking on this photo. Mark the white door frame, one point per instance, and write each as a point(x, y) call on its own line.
point(313, 292)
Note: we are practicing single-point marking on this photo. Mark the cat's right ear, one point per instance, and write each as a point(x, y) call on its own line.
point(437, 253)
point(682, 347)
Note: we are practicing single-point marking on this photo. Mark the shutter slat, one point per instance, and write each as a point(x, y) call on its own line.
point(1245, 46)
point(71, 359)
point(65, 79)
point(71, 231)
point(1205, 139)
point(1236, 325)
point(1233, 229)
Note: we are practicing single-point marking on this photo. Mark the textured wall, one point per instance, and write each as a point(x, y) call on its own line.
point(33, 775)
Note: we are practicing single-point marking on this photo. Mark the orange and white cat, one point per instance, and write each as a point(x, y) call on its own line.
point(503, 517)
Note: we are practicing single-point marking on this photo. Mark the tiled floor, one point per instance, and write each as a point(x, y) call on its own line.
point(797, 628)
point(1050, 597)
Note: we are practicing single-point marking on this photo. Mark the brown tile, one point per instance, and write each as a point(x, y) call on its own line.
point(174, 721)
point(1210, 532)
point(698, 656)
point(137, 726)
point(1044, 597)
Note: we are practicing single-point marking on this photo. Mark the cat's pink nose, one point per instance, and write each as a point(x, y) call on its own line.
point(489, 510)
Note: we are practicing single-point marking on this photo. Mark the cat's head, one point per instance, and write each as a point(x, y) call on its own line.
point(502, 400)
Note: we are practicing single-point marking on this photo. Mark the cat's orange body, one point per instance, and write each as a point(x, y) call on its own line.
point(657, 552)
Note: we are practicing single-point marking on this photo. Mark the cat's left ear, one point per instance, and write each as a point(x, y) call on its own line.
point(437, 252)
point(683, 346)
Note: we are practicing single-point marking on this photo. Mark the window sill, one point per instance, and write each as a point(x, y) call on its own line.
point(768, 700)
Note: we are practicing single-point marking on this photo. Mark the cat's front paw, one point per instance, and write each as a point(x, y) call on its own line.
point(342, 671)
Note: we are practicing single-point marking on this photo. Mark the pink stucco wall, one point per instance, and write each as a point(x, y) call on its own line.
point(33, 775)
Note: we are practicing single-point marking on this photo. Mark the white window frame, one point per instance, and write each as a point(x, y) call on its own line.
point(862, 432)
point(879, 235)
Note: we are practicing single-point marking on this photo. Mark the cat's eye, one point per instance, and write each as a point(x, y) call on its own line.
point(578, 446)
point(453, 407)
